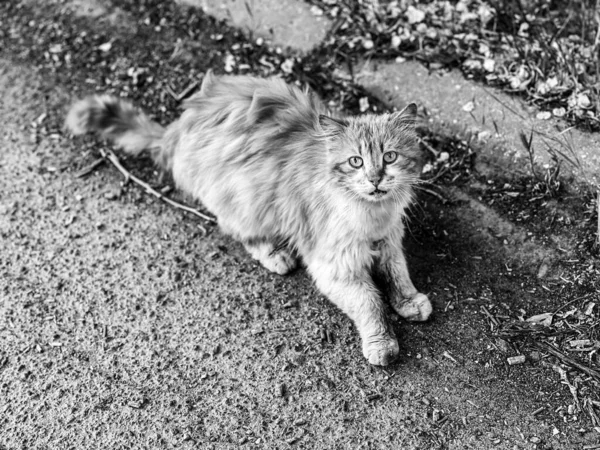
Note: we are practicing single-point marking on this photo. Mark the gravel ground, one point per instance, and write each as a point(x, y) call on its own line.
point(123, 326)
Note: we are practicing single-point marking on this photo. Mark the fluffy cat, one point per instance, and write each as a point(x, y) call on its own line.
point(288, 181)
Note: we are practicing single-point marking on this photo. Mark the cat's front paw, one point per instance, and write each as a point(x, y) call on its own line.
point(281, 263)
point(417, 309)
point(381, 350)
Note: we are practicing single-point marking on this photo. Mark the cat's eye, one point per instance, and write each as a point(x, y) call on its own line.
point(390, 157)
point(356, 162)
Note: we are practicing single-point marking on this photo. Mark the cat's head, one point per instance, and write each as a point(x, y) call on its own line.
point(374, 158)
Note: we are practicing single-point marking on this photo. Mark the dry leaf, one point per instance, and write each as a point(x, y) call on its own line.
point(414, 15)
point(542, 319)
point(489, 65)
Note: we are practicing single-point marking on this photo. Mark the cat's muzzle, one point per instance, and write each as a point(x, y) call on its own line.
point(378, 193)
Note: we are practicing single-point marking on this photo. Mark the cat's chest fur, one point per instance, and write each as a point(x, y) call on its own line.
point(361, 225)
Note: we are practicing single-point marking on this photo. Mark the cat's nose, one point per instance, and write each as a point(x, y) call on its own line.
point(375, 181)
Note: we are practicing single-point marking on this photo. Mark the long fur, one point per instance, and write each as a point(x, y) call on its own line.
point(268, 161)
point(119, 121)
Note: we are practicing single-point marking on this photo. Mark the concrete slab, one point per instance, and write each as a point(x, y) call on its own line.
point(495, 116)
point(289, 23)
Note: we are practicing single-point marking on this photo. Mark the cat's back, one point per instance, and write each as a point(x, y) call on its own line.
point(240, 121)
point(252, 103)
point(245, 145)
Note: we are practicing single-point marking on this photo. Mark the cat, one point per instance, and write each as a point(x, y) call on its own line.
point(290, 181)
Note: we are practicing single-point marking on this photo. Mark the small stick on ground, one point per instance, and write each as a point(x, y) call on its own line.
point(570, 303)
point(537, 411)
point(429, 147)
point(183, 94)
point(490, 316)
point(89, 168)
point(110, 156)
point(449, 356)
point(590, 410)
point(572, 388)
point(568, 361)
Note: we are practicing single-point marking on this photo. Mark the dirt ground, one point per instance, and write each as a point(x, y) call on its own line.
point(123, 326)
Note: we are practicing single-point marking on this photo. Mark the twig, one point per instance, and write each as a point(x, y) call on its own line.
point(90, 168)
point(25, 350)
point(429, 147)
point(563, 376)
point(561, 29)
point(587, 402)
point(439, 174)
point(183, 94)
point(449, 356)
point(489, 316)
point(537, 411)
point(110, 156)
point(566, 360)
point(570, 303)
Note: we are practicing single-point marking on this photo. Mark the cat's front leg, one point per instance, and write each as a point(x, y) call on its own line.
point(404, 297)
point(358, 297)
point(277, 260)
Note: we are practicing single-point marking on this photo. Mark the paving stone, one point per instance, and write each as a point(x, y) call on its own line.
point(289, 23)
point(451, 99)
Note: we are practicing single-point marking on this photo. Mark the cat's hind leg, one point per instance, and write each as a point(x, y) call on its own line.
point(280, 260)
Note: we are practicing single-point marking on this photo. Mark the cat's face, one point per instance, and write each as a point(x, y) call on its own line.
point(375, 158)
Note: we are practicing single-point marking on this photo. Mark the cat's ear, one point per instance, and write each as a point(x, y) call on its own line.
point(195, 101)
point(330, 126)
point(207, 82)
point(406, 117)
point(265, 106)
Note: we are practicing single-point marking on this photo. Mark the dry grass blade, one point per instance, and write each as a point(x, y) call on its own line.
point(527, 143)
point(505, 105)
point(110, 156)
point(431, 192)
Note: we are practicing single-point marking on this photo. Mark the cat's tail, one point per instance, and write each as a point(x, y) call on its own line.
point(120, 122)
